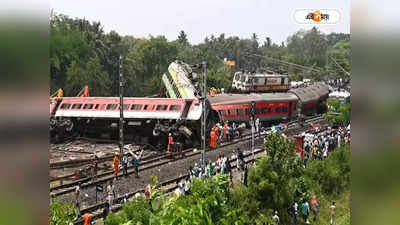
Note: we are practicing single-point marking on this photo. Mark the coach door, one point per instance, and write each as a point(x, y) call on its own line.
point(290, 110)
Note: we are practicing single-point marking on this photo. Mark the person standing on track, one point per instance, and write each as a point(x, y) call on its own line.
point(116, 164)
point(216, 129)
point(110, 195)
point(125, 165)
point(77, 197)
point(95, 166)
point(213, 139)
point(226, 130)
point(170, 141)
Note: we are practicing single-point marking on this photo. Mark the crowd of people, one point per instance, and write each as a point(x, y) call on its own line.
point(318, 146)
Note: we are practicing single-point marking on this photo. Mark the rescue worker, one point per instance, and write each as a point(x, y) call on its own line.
point(116, 164)
point(213, 139)
point(87, 219)
point(60, 93)
point(170, 141)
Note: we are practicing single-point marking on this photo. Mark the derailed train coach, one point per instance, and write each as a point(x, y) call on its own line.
point(146, 120)
point(272, 107)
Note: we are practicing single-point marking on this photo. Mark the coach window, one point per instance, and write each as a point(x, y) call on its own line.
point(223, 112)
point(65, 106)
point(162, 107)
point(247, 111)
point(237, 76)
point(239, 111)
point(269, 110)
point(243, 78)
point(136, 107)
point(257, 111)
point(88, 106)
point(96, 106)
point(278, 109)
point(174, 108)
point(111, 106)
point(284, 109)
point(145, 107)
point(126, 106)
point(76, 106)
point(263, 110)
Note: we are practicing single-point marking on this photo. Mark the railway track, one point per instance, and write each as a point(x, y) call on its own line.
point(164, 159)
point(170, 185)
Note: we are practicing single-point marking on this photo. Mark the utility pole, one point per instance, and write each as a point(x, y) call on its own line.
point(203, 115)
point(253, 108)
point(121, 109)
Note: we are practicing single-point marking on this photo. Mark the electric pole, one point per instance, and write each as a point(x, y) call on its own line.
point(121, 109)
point(203, 115)
point(253, 108)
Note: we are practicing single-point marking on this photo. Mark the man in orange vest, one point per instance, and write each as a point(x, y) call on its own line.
point(87, 219)
point(170, 141)
point(213, 139)
point(116, 164)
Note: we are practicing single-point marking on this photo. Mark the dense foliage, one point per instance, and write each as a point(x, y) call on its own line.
point(81, 53)
point(338, 113)
point(62, 213)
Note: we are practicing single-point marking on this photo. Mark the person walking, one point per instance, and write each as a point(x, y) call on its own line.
point(305, 209)
point(275, 218)
point(314, 206)
point(295, 212)
point(116, 164)
point(333, 213)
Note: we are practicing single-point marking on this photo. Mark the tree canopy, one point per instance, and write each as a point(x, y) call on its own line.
point(81, 53)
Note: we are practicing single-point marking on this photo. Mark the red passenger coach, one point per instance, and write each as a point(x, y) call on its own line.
point(145, 118)
point(134, 108)
point(268, 106)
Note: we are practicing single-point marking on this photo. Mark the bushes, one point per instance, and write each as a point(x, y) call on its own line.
point(332, 174)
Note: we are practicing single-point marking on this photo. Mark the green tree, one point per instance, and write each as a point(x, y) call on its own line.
point(272, 182)
point(182, 39)
point(62, 213)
